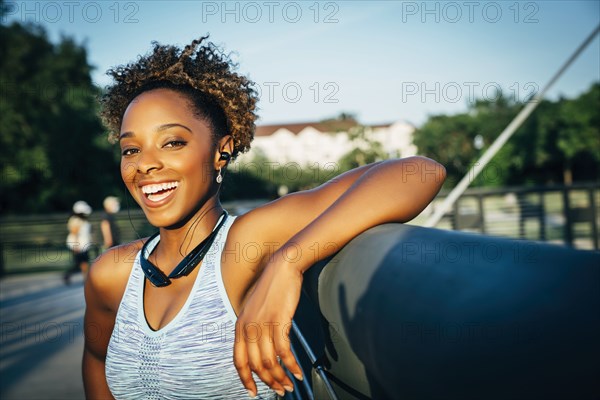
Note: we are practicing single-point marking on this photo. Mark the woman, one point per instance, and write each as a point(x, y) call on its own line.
point(79, 239)
point(162, 313)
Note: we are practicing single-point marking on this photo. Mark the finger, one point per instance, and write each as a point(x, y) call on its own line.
point(240, 360)
point(270, 362)
point(255, 359)
point(284, 351)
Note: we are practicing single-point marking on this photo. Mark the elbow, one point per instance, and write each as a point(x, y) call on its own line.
point(422, 171)
point(433, 175)
point(420, 180)
point(441, 174)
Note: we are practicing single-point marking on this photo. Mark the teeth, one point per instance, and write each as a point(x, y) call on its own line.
point(157, 187)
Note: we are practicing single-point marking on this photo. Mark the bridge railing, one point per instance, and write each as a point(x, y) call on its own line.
point(560, 214)
point(567, 215)
point(410, 312)
point(37, 242)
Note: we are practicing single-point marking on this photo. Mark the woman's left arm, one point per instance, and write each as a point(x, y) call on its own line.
point(391, 191)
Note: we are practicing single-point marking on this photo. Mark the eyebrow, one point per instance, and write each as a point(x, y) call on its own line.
point(159, 129)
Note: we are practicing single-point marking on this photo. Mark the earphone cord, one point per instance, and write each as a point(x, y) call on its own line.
point(129, 216)
point(193, 226)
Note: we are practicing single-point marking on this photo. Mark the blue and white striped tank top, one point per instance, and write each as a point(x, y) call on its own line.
point(189, 358)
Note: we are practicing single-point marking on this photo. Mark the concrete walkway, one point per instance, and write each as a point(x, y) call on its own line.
point(41, 337)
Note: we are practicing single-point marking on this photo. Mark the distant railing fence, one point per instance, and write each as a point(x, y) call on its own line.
point(567, 215)
point(37, 242)
point(559, 214)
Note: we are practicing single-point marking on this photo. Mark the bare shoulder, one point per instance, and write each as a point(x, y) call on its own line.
point(259, 232)
point(249, 242)
point(110, 272)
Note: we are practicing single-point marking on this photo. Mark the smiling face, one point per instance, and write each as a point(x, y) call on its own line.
point(168, 157)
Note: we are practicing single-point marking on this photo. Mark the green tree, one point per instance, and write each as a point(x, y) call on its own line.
point(365, 150)
point(53, 148)
point(262, 178)
point(558, 142)
point(451, 141)
point(579, 138)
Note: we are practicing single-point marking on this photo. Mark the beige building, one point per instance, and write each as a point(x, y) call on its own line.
point(324, 142)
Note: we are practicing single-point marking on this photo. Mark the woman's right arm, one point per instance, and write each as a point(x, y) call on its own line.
point(104, 289)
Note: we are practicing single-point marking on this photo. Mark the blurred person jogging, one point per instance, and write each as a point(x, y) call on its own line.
point(79, 239)
point(108, 226)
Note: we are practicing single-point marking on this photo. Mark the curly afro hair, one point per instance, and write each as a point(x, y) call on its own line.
point(201, 72)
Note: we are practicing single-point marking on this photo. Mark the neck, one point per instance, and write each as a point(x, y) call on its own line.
point(176, 242)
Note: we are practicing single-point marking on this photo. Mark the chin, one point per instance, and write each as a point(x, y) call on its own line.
point(161, 219)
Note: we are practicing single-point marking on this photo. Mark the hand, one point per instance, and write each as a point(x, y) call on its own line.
point(262, 330)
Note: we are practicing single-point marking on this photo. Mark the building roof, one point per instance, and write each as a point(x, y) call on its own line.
point(322, 126)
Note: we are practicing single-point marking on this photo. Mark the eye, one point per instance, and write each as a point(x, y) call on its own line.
point(129, 151)
point(175, 143)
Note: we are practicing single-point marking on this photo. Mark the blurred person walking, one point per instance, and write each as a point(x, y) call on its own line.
point(108, 226)
point(79, 239)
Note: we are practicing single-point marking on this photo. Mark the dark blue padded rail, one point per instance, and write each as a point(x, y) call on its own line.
point(405, 312)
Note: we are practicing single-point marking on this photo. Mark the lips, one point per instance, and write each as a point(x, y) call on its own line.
point(156, 192)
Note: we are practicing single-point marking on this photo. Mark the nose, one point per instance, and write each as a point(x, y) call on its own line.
point(147, 161)
point(143, 163)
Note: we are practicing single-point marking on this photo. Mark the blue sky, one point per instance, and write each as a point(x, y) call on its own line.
point(383, 60)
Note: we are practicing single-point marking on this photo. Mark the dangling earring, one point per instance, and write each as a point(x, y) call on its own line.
point(219, 178)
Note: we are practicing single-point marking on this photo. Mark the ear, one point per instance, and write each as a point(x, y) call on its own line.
point(224, 145)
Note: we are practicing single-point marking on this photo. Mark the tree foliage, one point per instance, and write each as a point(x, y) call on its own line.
point(52, 145)
point(263, 178)
point(365, 149)
point(559, 142)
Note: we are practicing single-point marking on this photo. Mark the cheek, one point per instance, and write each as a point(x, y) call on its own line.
point(128, 170)
point(198, 172)
point(197, 167)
